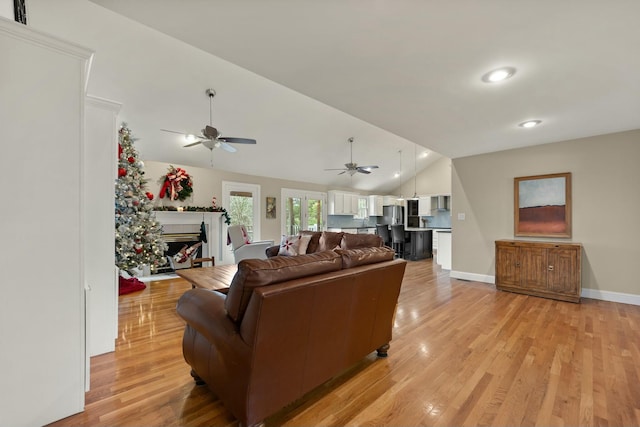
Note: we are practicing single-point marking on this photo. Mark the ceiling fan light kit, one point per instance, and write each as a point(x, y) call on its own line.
point(210, 137)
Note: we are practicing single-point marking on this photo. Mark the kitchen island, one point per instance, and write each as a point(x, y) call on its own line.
point(419, 246)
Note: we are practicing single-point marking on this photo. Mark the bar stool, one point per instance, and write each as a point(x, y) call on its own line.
point(398, 240)
point(382, 230)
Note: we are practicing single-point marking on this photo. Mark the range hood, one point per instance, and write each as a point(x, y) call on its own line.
point(443, 203)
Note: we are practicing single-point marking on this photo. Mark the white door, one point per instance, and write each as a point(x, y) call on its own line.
point(242, 202)
point(303, 210)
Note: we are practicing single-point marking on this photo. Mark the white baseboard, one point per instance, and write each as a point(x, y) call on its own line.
point(611, 296)
point(586, 292)
point(471, 276)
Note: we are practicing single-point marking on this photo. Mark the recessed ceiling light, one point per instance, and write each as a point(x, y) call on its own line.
point(424, 154)
point(498, 75)
point(530, 123)
point(396, 175)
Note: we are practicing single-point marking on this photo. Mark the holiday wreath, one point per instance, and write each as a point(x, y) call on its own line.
point(177, 184)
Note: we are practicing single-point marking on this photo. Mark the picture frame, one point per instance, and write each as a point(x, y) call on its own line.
point(542, 205)
point(271, 207)
point(14, 9)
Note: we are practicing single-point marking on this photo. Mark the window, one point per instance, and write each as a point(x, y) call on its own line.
point(242, 202)
point(362, 208)
point(303, 210)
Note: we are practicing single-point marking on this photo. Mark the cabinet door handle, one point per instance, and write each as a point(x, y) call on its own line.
point(551, 268)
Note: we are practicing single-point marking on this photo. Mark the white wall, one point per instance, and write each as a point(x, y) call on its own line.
point(42, 318)
point(605, 188)
point(435, 179)
point(101, 273)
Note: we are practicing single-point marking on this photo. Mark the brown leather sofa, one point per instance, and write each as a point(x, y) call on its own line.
point(288, 324)
point(328, 240)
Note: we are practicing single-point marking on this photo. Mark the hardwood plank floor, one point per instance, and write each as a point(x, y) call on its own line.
point(463, 354)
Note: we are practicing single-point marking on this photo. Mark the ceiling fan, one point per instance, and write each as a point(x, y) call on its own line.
point(351, 168)
point(210, 137)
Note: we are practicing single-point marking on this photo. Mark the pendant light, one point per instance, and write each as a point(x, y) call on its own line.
point(415, 173)
point(400, 175)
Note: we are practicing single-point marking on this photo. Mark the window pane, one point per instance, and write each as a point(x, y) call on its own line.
point(314, 212)
point(241, 211)
point(293, 215)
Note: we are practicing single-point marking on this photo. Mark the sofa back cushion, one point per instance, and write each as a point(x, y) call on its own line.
point(330, 240)
point(356, 241)
point(314, 242)
point(253, 273)
point(362, 256)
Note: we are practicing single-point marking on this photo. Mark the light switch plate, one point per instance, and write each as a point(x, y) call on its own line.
point(461, 216)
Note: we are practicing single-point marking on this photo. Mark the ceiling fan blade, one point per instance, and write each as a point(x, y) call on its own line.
point(174, 131)
point(342, 172)
point(227, 147)
point(193, 143)
point(337, 169)
point(363, 171)
point(237, 140)
point(368, 167)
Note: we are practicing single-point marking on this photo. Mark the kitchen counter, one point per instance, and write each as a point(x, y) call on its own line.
point(355, 230)
point(428, 228)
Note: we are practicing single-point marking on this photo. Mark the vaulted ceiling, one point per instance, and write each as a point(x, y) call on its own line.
point(414, 68)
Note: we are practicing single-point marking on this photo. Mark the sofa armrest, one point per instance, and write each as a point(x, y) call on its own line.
point(254, 250)
point(272, 251)
point(204, 311)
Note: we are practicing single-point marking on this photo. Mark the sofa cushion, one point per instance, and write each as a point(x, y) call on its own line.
point(362, 256)
point(294, 245)
point(330, 240)
point(314, 242)
point(356, 241)
point(253, 273)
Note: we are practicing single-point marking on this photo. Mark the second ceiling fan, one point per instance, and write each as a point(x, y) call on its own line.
point(352, 168)
point(210, 137)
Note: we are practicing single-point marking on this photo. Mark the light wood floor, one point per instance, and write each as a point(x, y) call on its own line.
point(462, 354)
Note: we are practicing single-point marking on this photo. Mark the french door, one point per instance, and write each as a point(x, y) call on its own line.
point(303, 210)
point(242, 202)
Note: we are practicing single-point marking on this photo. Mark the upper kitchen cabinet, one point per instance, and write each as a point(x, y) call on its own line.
point(375, 205)
point(390, 201)
point(427, 205)
point(342, 203)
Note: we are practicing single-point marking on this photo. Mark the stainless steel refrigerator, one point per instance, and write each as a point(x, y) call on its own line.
point(393, 214)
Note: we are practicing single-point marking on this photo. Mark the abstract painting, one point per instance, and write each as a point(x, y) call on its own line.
point(543, 205)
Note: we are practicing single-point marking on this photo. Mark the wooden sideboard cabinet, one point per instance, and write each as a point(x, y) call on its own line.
point(545, 269)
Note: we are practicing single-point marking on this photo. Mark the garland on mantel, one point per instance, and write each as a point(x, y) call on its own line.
point(225, 214)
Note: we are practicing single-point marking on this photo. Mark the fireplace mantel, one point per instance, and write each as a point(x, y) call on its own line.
point(213, 223)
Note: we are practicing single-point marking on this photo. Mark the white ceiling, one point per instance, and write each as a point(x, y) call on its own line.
point(413, 68)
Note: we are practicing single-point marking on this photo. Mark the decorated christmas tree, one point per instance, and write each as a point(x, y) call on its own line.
point(138, 235)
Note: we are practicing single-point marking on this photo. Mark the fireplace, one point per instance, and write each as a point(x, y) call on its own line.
point(177, 241)
point(183, 228)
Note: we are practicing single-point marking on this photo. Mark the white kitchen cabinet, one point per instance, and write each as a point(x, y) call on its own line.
point(342, 203)
point(375, 205)
point(444, 250)
point(427, 205)
point(390, 201)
